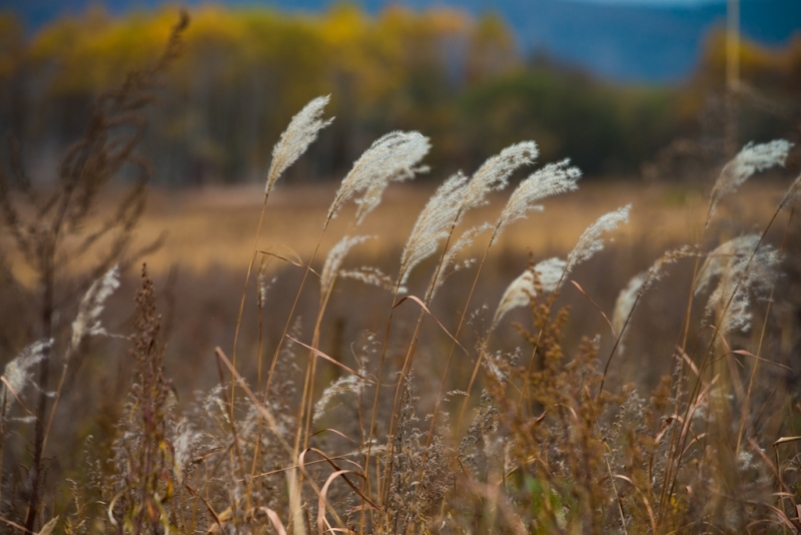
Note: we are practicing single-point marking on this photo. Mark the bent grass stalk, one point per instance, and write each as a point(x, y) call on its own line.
point(675, 456)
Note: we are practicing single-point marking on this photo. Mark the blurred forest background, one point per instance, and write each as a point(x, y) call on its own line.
point(462, 79)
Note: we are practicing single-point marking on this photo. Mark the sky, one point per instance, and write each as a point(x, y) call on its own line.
point(656, 2)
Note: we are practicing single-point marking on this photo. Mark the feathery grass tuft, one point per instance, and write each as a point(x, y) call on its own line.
point(391, 158)
point(87, 321)
point(301, 132)
point(750, 159)
point(591, 241)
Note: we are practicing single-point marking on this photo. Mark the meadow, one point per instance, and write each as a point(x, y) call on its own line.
point(512, 349)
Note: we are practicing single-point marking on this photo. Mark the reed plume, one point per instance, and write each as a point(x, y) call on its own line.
point(629, 296)
point(334, 261)
point(750, 159)
point(433, 224)
point(591, 240)
point(543, 278)
point(301, 132)
point(553, 179)
point(16, 374)
point(87, 321)
point(391, 158)
point(494, 174)
point(744, 267)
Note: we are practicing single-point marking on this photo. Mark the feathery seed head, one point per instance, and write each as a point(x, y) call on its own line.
point(391, 158)
point(553, 179)
point(17, 371)
point(334, 261)
point(591, 241)
point(543, 278)
point(626, 300)
point(343, 385)
point(373, 276)
point(433, 224)
point(640, 283)
point(449, 265)
point(301, 132)
point(743, 270)
point(92, 304)
point(494, 174)
point(751, 159)
point(719, 260)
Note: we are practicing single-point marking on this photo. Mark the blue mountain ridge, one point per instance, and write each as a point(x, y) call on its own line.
point(626, 43)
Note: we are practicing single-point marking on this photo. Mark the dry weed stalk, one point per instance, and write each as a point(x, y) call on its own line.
point(51, 233)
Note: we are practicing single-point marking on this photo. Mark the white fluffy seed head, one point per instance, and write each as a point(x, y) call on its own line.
point(553, 179)
point(334, 261)
point(87, 322)
point(751, 159)
point(718, 261)
point(743, 271)
point(449, 264)
point(17, 372)
point(543, 278)
point(372, 276)
point(349, 384)
point(391, 158)
point(301, 132)
point(494, 174)
point(592, 241)
point(640, 283)
point(433, 224)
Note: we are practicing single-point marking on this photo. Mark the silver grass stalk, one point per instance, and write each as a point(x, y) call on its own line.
point(392, 157)
point(301, 132)
point(544, 278)
point(433, 224)
point(592, 241)
point(449, 264)
point(87, 322)
point(638, 285)
point(494, 174)
point(743, 271)
point(334, 261)
point(626, 300)
point(751, 158)
point(553, 179)
point(372, 276)
point(184, 442)
point(718, 261)
point(349, 384)
point(17, 371)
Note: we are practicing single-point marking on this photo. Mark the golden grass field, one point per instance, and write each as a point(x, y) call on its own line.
point(216, 226)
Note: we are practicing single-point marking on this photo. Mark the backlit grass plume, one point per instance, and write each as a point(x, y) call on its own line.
point(543, 278)
point(16, 374)
point(392, 157)
point(591, 241)
point(742, 270)
point(629, 296)
point(334, 261)
point(751, 159)
point(494, 174)
point(553, 179)
point(433, 224)
point(449, 260)
point(301, 132)
point(86, 322)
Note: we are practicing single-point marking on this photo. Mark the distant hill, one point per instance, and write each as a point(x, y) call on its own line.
point(623, 42)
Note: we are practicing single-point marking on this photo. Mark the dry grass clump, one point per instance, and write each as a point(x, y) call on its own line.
point(395, 434)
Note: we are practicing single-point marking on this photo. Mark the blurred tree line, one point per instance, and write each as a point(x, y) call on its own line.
point(459, 80)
